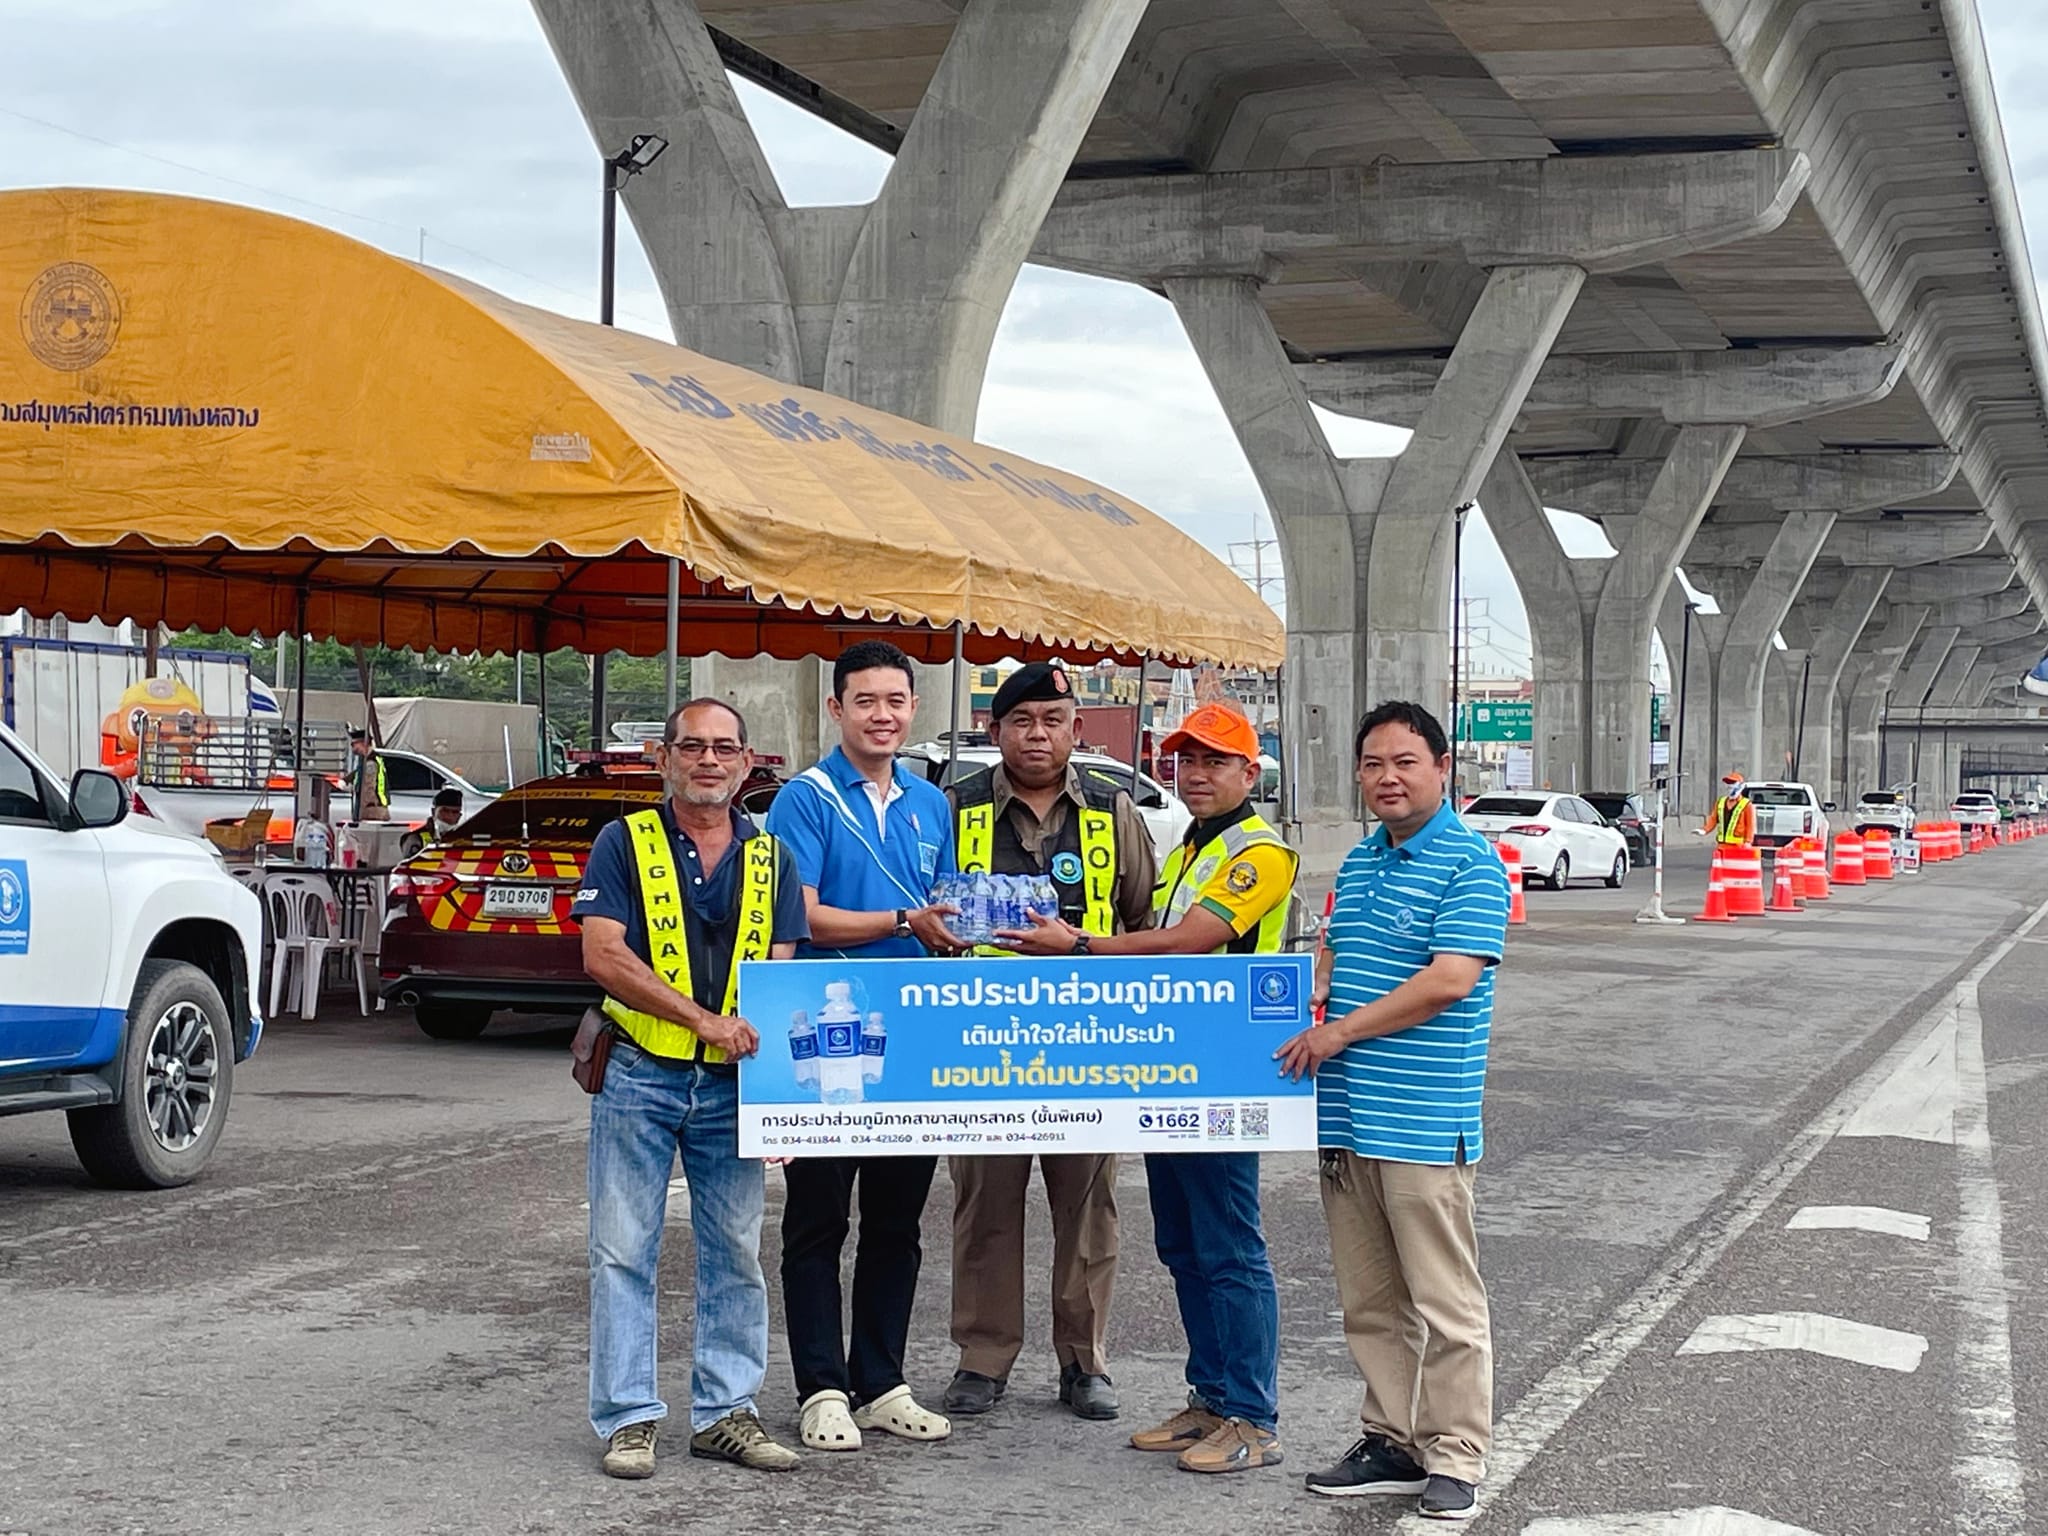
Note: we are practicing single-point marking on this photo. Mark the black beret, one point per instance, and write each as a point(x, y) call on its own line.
point(1029, 683)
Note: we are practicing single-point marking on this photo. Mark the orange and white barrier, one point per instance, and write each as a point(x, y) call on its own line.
point(1813, 869)
point(1877, 854)
point(1511, 857)
point(1784, 898)
point(1716, 909)
point(1848, 868)
point(1743, 879)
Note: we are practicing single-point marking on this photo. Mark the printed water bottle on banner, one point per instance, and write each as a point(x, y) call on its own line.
point(874, 1040)
point(803, 1049)
point(839, 1046)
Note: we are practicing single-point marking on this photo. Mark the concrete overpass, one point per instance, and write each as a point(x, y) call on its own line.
point(1743, 279)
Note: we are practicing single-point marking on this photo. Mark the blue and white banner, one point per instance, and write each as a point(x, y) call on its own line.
point(875, 1057)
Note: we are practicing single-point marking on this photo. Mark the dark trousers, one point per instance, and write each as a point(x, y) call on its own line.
point(1205, 1222)
point(885, 1265)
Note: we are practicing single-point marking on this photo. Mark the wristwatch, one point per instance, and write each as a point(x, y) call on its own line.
point(1080, 944)
point(902, 923)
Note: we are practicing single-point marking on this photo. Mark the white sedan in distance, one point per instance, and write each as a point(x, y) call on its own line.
point(1558, 836)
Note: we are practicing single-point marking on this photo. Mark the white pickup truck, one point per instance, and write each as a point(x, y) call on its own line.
point(411, 780)
point(1785, 811)
point(1974, 807)
point(128, 961)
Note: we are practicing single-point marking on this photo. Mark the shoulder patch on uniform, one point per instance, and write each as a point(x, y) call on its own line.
point(1241, 877)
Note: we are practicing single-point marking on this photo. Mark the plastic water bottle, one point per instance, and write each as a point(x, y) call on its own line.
point(839, 1030)
point(874, 1040)
point(1007, 911)
point(977, 910)
point(1045, 897)
point(803, 1049)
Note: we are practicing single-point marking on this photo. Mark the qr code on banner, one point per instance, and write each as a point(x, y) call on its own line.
point(1222, 1122)
point(1258, 1122)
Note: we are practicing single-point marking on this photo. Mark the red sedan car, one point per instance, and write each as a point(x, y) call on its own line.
point(481, 921)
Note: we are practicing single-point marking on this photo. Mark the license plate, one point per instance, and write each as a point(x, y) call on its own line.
point(501, 900)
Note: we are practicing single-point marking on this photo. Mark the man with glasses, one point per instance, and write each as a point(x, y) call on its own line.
point(674, 898)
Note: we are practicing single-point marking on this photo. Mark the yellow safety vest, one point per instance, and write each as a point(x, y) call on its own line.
point(668, 947)
point(1186, 873)
point(1734, 819)
point(976, 848)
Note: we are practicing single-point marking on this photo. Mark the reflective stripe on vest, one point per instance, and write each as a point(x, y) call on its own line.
point(975, 850)
point(1181, 882)
point(1728, 819)
point(668, 946)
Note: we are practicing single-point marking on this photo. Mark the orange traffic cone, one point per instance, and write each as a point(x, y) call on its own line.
point(1512, 859)
point(1744, 881)
point(1716, 909)
point(1877, 854)
point(1848, 868)
point(1813, 870)
point(1783, 897)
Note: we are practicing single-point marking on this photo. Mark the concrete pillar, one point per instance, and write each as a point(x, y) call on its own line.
point(1739, 695)
point(1946, 691)
point(894, 304)
point(1322, 509)
point(1408, 574)
point(1977, 686)
point(1878, 660)
point(1840, 625)
point(1916, 679)
point(1558, 594)
point(1632, 593)
point(1788, 682)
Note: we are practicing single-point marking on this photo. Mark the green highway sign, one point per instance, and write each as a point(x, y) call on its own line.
point(1658, 703)
point(1512, 720)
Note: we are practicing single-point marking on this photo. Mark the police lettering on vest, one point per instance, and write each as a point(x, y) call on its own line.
point(1082, 860)
point(668, 947)
point(1187, 873)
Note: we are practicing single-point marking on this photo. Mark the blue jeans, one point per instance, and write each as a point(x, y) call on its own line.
point(651, 1109)
point(1205, 1221)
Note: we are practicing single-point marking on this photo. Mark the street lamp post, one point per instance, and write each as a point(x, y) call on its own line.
point(640, 152)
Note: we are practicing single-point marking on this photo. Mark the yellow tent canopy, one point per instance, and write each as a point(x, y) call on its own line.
point(219, 417)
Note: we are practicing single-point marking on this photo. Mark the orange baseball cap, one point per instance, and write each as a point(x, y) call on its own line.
point(1217, 726)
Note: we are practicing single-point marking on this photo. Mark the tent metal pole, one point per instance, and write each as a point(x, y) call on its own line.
point(959, 667)
point(675, 623)
point(299, 690)
point(1138, 722)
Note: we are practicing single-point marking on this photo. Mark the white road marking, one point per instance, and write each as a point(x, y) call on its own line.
point(1918, 1101)
point(1817, 1333)
point(1521, 1434)
point(1716, 1520)
point(1987, 1466)
point(1860, 1218)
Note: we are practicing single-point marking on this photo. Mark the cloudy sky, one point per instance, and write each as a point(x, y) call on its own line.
point(445, 128)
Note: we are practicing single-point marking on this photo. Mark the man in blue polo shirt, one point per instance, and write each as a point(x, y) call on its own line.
point(1407, 973)
point(868, 836)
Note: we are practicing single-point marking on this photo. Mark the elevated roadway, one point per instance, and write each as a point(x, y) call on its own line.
point(1743, 279)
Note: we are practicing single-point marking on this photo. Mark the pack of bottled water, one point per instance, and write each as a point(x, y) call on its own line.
point(991, 904)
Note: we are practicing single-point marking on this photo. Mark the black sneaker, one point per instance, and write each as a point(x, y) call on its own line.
point(1374, 1465)
point(1448, 1499)
point(971, 1392)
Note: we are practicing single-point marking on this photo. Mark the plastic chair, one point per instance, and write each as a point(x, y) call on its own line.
point(306, 927)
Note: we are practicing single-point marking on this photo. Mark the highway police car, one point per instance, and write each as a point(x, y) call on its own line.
point(127, 961)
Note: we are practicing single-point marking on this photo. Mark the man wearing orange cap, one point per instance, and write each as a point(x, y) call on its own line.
point(1225, 890)
point(1733, 819)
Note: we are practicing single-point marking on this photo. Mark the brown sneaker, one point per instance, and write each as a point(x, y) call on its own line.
point(740, 1439)
point(1190, 1427)
point(1234, 1446)
point(630, 1451)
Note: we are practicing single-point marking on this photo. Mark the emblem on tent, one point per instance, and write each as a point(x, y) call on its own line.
point(70, 316)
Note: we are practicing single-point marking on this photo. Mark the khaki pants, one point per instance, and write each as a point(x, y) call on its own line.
point(1407, 1261)
point(988, 1258)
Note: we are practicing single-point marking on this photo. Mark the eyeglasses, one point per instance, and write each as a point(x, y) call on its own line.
point(694, 747)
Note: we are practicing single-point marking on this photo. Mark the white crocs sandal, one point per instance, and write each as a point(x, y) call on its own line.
point(827, 1426)
point(898, 1413)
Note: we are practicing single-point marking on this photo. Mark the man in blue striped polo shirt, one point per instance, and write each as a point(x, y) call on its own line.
point(1406, 970)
